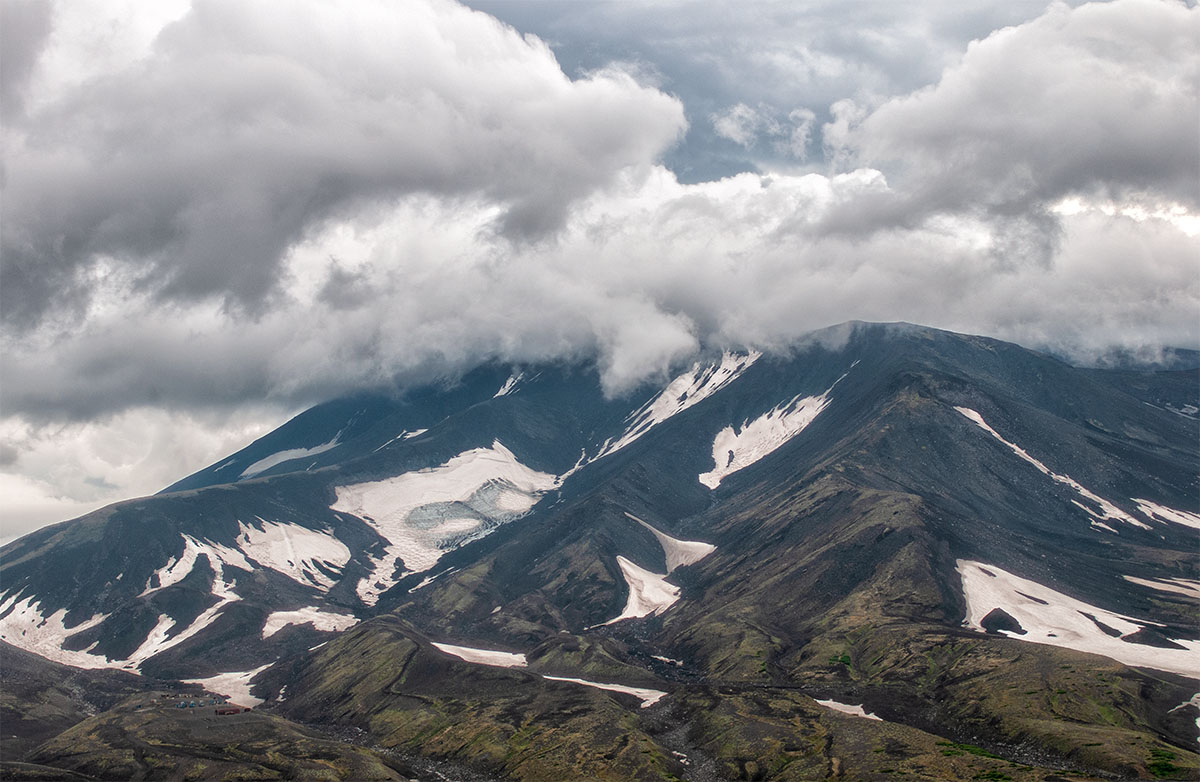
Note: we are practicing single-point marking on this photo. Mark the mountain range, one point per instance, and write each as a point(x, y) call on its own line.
point(891, 551)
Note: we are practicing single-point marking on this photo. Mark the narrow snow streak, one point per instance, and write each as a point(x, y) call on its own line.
point(463, 499)
point(649, 697)
point(1107, 509)
point(509, 385)
point(515, 660)
point(649, 593)
point(235, 685)
point(854, 711)
point(736, 449)
point(1063, 621)
point(1162, 513)
point(1182, 586)
point(693, 386)
point(278, 458)
point(320, 620)
point(678, 552)
point(484, 656)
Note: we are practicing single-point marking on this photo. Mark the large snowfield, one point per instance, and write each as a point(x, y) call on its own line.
point(464, 498)
point(1050, 617)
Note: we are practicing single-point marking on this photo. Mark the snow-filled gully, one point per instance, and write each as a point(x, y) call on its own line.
point(1107, 510)
point(737, 449)
point(648, 696)
point(650, 593)
point(1049, 617)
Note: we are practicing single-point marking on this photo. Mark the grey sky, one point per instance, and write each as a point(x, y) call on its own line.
point(215, 213)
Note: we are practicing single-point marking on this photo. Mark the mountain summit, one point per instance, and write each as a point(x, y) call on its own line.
point(892, 550)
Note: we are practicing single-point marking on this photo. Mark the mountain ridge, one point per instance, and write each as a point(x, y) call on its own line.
point(857, 492)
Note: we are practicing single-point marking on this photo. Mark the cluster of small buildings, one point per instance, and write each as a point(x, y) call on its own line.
point(220, 701)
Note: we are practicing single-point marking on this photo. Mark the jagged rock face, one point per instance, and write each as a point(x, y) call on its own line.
point(888, 517)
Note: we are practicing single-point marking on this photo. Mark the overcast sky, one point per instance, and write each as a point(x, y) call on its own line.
point(218, 212)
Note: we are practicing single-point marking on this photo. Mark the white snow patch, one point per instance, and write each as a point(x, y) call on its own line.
point(695, 385)
point(1052, 618)
point(1107, 509)
point(158, 641)
point(267, 462)
point(483, 488)
point(320, 620)
point(1182, 586)
point(404, 435)
point(649, 697)
point(430, 579)
point(668, 660)
point(28, 628)
point(484, 656)
point(294, 551)
point(733, 450)
point(235, 685)
point(649, 593)
point(177, 569)
point(1162, 513)
point(678, 552)
point(509, 385)
point(854, 711)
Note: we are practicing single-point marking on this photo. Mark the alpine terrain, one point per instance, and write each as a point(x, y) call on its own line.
point(894, 552)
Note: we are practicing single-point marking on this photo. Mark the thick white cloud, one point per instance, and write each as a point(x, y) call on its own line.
point(58, 472)
point(1098, 100)
point(1037, 192)
point(243, 128)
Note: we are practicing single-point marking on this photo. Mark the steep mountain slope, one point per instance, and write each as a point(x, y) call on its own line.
point(979, 544)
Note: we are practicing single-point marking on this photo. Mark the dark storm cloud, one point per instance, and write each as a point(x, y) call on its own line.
point(24, 26)
point(245, 129)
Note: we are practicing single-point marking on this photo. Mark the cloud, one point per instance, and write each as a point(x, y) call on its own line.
point(789, 137)
point(349, 215)
point(241, 130)
point(64, 470)
point(771, 55)
point(1099, 100)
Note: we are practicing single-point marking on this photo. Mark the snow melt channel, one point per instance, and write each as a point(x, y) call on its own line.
point(425, 513)
point(736, 449)
point(1052, 618)
point(1107, 509)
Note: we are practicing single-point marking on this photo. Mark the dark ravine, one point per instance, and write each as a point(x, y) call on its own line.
point(991, 551)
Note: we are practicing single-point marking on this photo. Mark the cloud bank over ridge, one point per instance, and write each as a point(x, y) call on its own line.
point(235, 207)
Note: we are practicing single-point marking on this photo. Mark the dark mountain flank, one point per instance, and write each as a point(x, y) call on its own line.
point(894, 551)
